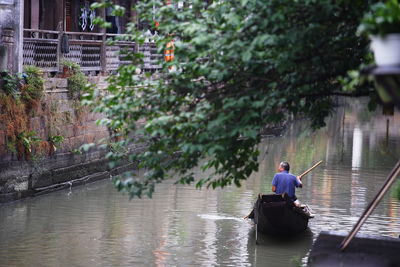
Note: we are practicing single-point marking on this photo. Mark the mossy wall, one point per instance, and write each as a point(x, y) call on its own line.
point(47, 167)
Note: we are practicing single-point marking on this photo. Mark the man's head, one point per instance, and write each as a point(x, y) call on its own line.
point(284, 166)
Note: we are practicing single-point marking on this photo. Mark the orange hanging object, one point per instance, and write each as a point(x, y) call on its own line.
point(170, 47)
point(169, 51)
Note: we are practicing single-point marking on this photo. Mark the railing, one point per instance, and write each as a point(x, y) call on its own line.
point(91, 51)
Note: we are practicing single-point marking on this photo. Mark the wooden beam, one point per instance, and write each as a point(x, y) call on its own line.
point(103, 59)
point(59, 17)
point(35, 14)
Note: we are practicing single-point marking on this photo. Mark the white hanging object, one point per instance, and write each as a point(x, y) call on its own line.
point(83, 18)
point(92, 16)
point(147, 36)
point(386, 49)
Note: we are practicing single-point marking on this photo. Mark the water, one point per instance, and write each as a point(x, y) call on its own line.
point(94, 225)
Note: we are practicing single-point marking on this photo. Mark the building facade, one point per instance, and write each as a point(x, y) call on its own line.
point(43, 33)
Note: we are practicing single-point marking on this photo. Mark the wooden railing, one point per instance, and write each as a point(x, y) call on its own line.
point(91, 51)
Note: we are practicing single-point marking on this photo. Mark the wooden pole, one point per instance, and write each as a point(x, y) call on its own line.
point(371, 206)
point(64, 15)
point(103, 48)
point(61, 30)
point(310, 169)
point(59, 52)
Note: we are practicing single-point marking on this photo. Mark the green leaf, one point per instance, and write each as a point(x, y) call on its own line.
point(240, 67)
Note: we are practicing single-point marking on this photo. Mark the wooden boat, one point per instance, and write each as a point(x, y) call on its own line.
point(278, 215)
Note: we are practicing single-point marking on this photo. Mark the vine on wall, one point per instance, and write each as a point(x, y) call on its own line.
point(77, 82)
point(20, 99)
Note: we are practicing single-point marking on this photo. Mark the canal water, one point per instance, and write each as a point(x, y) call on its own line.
point(94, 225)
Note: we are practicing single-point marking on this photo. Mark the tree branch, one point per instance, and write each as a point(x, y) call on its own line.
point(338, 93)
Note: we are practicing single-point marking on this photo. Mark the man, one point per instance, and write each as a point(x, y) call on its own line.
point(285, 182)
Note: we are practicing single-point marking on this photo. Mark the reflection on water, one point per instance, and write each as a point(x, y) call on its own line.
point(277, 251)
point(96, 226)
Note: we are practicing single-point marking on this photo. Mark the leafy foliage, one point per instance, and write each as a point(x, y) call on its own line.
point(70, 65)
point(25, 142)
point(77, 80)
point(56, 140)
point(15, 119)
point(28, 139)
point(28, 85)
point(384, 18)
point(33, 89)
point(239, 65)
point(76, 85)
point(11, 84)
point(18, 105)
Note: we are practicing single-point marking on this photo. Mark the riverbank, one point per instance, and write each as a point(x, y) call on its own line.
point(29, 179)
point(29, 167)
point(39, 142)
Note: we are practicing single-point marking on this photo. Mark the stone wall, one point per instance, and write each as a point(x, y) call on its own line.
point(57, 115)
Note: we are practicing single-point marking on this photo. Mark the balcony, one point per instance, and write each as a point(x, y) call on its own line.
point(92, 51)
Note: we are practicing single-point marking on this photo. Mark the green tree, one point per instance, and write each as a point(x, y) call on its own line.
point(239, 66)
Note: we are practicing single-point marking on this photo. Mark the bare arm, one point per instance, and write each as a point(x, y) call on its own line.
point(273, 188)
point(299, 181)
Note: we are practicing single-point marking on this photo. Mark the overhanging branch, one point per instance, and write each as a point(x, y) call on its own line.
point(338, 93)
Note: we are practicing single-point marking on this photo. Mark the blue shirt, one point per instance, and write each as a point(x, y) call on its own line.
point(285, 182)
